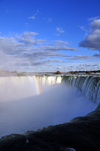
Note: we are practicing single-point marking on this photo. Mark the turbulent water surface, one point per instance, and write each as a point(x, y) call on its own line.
point(60, 100)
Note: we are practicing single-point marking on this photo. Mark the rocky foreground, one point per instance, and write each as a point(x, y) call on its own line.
point(80, 134)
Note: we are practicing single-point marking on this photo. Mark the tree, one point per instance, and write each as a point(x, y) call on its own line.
point(57, 72)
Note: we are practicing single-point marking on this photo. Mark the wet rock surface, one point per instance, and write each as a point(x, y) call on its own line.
point(79, 134)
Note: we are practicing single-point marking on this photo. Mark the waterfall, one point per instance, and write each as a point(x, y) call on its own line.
point(88, 85)
point(22, 109)
point(49, 79)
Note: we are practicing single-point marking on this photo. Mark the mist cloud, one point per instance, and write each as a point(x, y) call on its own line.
point(26, 111)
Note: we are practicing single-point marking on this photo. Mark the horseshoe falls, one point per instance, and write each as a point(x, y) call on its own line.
point(61, 99)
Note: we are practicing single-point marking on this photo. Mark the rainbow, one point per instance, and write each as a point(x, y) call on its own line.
point(36, 81)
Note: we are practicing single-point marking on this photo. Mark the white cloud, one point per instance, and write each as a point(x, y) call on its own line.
point(58, 48)
point(95, 24)
point(16, 52)
point(29, 34)
point(86, 67)
point(82, 27)
point(79, 57)
point(92, 41)
point(60, 42)
point(10, 62)
point(28, 38)
point(32, 17)
point(60, 30)
point(97, 55)
point(46, 62)
point(49, 20)
point(93, 18)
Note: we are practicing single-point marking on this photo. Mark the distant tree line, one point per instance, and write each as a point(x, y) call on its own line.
point(87, 72)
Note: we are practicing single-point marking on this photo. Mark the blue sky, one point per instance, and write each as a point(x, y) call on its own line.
point(50, 35)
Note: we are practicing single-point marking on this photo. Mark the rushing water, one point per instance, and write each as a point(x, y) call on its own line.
point(60, 100)
point(88, 85)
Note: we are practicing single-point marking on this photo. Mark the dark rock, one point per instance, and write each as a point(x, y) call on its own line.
point(12, 142)
point(80, 134)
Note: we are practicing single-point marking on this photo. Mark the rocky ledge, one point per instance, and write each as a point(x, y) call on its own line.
point(79, 134)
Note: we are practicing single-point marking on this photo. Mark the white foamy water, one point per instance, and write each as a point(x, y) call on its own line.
point(21, 109)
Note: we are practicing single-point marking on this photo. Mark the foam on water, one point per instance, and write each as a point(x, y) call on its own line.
point(23, 111)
